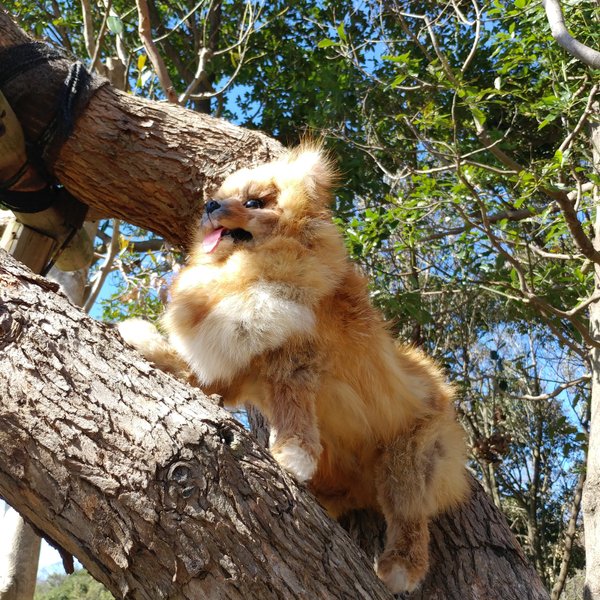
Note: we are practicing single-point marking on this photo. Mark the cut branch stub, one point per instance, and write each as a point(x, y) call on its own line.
point(147, 163)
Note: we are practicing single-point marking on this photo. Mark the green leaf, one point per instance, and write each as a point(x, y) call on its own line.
point(326, 43)
point(115, 25)
point(401, 58)
point(341, 32)
point(479, 115)
point(398, 80)
point(559, 157)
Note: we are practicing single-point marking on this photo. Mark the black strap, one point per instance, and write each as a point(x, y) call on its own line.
point(74, 95)
point(12, 181)
point(17, 60)
point(29, 202)
point(77, 89)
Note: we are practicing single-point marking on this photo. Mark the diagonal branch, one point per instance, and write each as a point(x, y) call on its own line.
point(145, 31)
point(561, 388)
point(584, 53)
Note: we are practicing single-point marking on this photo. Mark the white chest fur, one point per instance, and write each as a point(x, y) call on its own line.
point(239, 328)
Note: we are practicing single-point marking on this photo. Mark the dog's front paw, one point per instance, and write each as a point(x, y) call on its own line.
point(295, 459)
point(398, 575)
point(139, 333)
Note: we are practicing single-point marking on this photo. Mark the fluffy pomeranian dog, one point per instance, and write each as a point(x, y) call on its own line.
point(270, 312)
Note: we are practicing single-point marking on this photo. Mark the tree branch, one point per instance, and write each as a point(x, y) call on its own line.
point(582, 119)
point(471, 55)
point(569, 539)
point(145, 32)
point(561, 388)
point(88, 27)
point(98, 45)
point(146, 163)
point(106, 268)
point(582, 241)
point(580, 51)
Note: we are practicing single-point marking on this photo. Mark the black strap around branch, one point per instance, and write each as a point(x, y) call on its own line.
point(16, 60)
point(29, 202)
point(74, 94)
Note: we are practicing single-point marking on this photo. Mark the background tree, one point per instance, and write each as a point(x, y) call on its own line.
point(490, 178)
point(79, 586)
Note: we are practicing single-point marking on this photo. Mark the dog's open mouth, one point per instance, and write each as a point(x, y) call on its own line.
point(212, 239)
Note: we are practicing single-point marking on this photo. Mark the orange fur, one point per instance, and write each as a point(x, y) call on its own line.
point(282, 320)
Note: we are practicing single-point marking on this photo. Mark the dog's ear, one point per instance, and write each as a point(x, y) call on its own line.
point(310, 164)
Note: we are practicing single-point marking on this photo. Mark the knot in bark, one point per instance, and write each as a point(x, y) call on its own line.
point(182, 480)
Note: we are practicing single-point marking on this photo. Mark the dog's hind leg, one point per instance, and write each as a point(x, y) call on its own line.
point(404, 481)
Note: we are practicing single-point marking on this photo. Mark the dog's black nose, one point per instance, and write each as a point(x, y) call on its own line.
point(211, 206)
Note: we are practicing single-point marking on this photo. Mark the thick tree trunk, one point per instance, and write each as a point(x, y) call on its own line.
point(158, 493)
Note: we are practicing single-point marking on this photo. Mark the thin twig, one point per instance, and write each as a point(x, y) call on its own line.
point(582, 120)
point(106, 268)
point(176, 26)
point(476, 40)
point(88, 27)
point(553, 255)
point(444, 62)
point(561, 388)
point(101, 33)
point(204, 56)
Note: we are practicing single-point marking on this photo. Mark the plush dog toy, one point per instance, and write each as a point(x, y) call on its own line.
point(270, 312)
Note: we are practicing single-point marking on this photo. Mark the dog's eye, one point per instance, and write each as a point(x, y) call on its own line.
point(254, 203)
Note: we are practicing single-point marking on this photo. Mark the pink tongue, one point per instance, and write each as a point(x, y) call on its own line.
point(211, 241)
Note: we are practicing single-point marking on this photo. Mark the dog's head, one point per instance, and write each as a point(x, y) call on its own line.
point(284, 197)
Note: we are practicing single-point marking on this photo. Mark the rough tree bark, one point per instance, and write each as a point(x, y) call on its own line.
point(161, 494)
point(156, 492)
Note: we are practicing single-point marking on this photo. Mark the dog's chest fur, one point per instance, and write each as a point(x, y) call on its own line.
point(241, 326)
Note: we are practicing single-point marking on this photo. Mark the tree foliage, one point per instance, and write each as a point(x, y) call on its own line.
point(78, 586)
